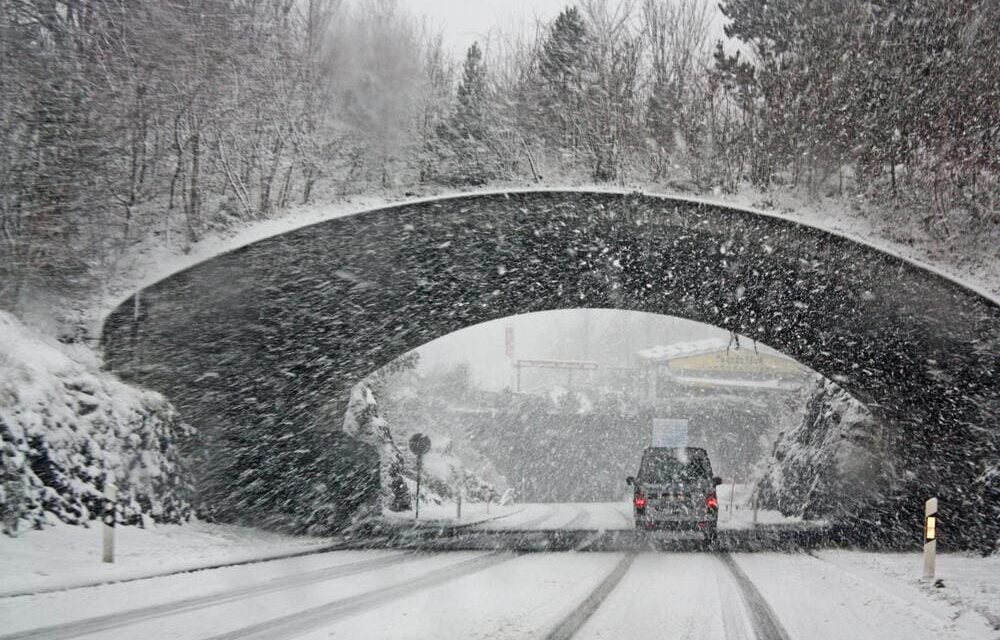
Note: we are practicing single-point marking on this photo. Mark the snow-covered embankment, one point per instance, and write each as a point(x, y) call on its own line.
point(67, 429)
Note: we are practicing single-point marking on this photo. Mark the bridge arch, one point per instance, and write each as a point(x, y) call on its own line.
point(271, 331)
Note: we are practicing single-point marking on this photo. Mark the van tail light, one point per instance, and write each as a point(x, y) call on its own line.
point(640, 501)
point(712, 502)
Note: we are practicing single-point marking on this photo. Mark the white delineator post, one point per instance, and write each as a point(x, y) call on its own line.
point(930, 537)
point(111, 493)
point(732, 493)
point(416, 505)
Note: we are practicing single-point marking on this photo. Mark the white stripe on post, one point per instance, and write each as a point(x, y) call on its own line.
point(930, 537)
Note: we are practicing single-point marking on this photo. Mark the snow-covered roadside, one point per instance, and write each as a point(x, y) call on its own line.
point(68, 430)
point(736, 511)
point(852, 594)
point(150, 261)
point(446, 514)
point(967, 582)
point(65, 556)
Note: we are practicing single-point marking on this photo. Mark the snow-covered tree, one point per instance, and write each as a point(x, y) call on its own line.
point(466, 155)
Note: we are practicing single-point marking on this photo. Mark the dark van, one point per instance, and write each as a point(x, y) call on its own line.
point(675, 490)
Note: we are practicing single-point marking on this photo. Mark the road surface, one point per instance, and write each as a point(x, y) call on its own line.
point(391, 594)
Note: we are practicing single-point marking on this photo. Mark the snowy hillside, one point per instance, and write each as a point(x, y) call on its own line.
point(829, 462)
point(67, 429)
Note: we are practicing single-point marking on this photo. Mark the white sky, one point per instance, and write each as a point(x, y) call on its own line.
point(466, 21)
point(607, 336)
point(463, 22)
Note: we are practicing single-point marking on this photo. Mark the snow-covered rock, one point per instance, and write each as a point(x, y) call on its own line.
point(443, 473)
point(68, 429)
point(831, 462)
point(362, 420)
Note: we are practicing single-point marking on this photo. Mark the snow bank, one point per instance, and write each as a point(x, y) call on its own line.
point(65, 557)
point(966, 582)
point(67, 429)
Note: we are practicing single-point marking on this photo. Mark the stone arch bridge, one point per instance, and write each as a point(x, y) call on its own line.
point(260, 339)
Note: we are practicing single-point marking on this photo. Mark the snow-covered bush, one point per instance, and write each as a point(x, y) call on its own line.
point(363, 421)
point(67, 429)
point(443, 470)
point(830, 462)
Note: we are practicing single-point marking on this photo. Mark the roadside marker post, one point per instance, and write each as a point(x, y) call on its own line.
point(930, 537)
point(419, 445)
point(416, 506)
point(110, 510)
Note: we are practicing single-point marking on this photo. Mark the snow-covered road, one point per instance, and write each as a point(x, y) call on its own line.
point(594, 516)
point(393, 594)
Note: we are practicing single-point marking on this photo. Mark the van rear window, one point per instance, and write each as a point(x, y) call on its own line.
point(664, 467)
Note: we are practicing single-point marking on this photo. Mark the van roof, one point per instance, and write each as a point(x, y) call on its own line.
point(688, 450)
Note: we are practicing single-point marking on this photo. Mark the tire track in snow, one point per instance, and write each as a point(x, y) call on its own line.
point(143, 614)
point(765, 624)
point(87, 584)
point(572, 623)
point(301, 622)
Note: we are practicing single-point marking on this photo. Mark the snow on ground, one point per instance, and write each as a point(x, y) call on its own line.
point(387, 594)
point(564, 516)
point(446, 513)
point(817, 598)
point(285, 586)
point(521, 598)
point(670, 595)
point(736, 512)
point(968, 582)
point(602, 516)
point(65, 556)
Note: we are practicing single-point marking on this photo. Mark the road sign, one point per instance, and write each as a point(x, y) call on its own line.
point(419, 445)
point(557, 364)
point(670, 432)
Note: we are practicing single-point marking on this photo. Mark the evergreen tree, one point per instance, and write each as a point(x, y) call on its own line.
point(661, 121)
point(562, 66)
point(466, 152)
point(470, 116)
